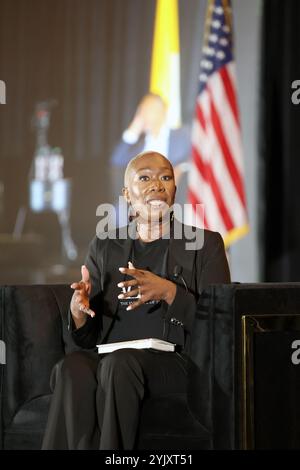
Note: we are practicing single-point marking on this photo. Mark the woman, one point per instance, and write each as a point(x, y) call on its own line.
point(143, 283)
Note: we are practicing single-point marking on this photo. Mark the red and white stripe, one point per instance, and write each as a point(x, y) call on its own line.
point(217, 177)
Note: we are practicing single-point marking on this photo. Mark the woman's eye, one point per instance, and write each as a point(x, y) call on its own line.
point(143, 178)
point(166, 177)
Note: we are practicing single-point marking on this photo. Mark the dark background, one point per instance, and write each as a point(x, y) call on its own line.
point(280, 141)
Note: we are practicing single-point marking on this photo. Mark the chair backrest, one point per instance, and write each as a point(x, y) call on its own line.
point(246, 333)
point(212, 388)
point(33, 326)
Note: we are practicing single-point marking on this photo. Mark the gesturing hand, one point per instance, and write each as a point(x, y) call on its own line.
point(137, 125)
point(80, 304)
point(146, 286)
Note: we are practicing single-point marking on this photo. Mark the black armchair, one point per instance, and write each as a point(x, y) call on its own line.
point(34, 332)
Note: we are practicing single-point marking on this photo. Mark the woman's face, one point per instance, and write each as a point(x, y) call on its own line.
point(150, 187)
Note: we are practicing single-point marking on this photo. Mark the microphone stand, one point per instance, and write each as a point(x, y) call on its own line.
point(48, 188)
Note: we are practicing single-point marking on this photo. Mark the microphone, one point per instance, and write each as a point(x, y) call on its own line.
point(177, 275)
point(177, 271)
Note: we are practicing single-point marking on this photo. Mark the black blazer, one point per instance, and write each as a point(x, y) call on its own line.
point(199, 268)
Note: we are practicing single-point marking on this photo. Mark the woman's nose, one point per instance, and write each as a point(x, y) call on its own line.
point(157, 185)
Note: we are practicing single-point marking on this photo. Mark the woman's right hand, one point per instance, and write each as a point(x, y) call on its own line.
point(80, 303)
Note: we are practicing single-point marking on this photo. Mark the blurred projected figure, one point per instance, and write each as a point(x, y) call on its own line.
point(48, 188)
point(149, 130)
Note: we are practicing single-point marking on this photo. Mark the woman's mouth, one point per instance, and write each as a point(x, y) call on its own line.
point(156, 203)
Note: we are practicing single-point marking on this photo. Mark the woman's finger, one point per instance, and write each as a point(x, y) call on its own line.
point(124, 284)
point(85, 275)
point(130, 293)
point(137, 303)
point(83, 308)
point(78, 285)
point(130, 272)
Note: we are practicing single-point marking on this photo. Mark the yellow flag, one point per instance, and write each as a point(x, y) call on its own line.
point(165, 65)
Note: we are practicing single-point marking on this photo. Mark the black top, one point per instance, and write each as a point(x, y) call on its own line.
point(200, 268)
point(146, 321)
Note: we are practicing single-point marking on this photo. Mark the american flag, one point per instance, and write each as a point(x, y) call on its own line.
point(216, 177)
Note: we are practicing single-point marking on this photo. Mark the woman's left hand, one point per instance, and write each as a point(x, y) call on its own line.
point(146, 286)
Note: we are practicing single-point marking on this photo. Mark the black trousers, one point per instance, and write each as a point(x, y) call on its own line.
point(97, 399)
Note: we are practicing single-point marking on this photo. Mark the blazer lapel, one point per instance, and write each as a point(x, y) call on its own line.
point(181, 257)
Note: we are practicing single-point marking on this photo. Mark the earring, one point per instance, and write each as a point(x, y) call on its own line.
point(131, 213)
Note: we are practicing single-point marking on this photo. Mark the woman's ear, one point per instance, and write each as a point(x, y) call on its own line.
point(125, 193)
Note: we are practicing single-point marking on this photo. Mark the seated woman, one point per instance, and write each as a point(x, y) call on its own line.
point(139, 282)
